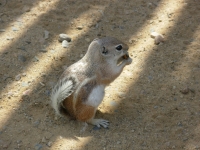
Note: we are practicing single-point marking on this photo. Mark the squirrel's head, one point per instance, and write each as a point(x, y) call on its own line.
point(108, 49)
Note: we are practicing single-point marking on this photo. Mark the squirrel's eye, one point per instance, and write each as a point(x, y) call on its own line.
point(119, 47)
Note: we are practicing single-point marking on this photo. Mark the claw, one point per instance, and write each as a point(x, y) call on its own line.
point(100, 122)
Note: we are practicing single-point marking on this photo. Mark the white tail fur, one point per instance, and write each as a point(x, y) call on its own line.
point(60, 92)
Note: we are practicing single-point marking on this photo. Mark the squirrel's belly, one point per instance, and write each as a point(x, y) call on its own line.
point(96, 96)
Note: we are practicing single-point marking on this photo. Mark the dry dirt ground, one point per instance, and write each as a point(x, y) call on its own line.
point(153, 105)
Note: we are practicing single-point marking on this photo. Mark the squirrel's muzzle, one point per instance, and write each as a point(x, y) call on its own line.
point(126, 56)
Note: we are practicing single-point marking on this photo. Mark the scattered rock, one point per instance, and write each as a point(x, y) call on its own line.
point(155, 107)
point(113, 103)
point(10, 94)
point(52, 51)
point(26, 9)
point(130, 41)
point(49, 144)
point(22, 58)
point(79, 27)
point(48, 135)
point(63, 37)
point(28, 42)
point(36, 123)
point(42, 84)
point(10, 38)
point(43, 50)
point(65, 44)
point(27, 92)
point(35, 59)
point(180, 124)
point(118, 142)
point(46, 34)
point(38, 147)
point(44, 140)
point(22, 48)
point(192, 90)
point(14, 29)
point(18, 77)
point(24, 84)
point(154, 34)
point(6, 144)
point(185, 91)
point(87, 39)
point(158, 37)
point(2, 30)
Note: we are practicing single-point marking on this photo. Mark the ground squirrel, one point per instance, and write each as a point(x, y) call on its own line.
point(81, 87)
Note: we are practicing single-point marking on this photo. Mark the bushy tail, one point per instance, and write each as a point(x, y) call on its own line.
point(64, 88)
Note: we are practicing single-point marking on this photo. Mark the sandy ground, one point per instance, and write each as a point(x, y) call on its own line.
point(153, 105)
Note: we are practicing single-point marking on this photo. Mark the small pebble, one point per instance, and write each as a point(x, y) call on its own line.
point(42, 84)
point(18, 77)
point(185, 91)
point(28, 42)
point(38, 147)
point(10, 94)
point(87, 39)
point(22, 48)
point(154, 34)
point(43, 50)
point(118, 142)
point(48, 135)
point(35, 59)
point(155, 107)
point(44, 140)
point(113, 103)
point(24, 84)
point(2, 30)
point(10, 38)
point(49, 144)
point(27, 92)
point(158, 37)
point(52, 51)
point(130, 41)
point(63, 37)
point(79, 27)
point(36, 123)
point(26, 9)
point(65, 44)
point(23, 74)
point(22, 58)
point(46, 34)
point(19, 141)
point(14, 29)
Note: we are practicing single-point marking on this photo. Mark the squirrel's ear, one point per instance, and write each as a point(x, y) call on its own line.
point(104, 51)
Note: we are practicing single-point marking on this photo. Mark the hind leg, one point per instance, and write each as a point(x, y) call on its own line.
point(86, 113)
